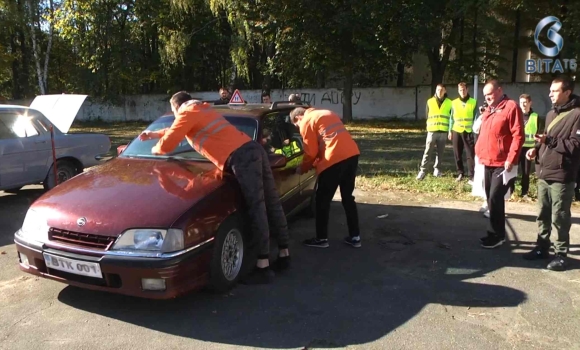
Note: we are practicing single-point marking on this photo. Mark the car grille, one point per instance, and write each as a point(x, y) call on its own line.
point(81, 239)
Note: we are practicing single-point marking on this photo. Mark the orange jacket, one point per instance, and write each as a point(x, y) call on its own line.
point(208, 132)
point(326, 140)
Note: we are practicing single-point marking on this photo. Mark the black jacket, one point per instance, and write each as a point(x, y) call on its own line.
point(558, 159)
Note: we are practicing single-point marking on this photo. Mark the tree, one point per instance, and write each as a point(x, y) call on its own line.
point(41, 14)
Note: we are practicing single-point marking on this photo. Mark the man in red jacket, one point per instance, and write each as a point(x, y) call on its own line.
point(498, 147)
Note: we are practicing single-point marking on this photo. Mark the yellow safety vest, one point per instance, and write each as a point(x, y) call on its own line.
point(463, 115)
point(438, 118)
point(531, 129)
point(289, 150)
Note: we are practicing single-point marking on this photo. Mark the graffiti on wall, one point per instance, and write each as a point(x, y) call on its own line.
point(331, 97)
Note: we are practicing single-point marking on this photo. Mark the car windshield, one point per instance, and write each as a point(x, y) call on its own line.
point(138, 148)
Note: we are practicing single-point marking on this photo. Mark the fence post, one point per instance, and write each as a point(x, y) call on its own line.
point(416, 102)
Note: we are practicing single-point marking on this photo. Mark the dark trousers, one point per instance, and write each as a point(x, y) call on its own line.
point(251, 167)
point(525, 166)
point(577, 189)
point(341, 174)
point(495, 191)
point(464, 141)
point(554, 202)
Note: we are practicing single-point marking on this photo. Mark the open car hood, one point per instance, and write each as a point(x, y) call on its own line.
point(61, 110)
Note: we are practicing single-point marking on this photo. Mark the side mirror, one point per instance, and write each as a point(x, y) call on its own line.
point(277, 161)
point(120, 149)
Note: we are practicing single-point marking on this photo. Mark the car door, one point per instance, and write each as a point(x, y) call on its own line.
point(24, 150)
point(306, 181)
point(287, 180)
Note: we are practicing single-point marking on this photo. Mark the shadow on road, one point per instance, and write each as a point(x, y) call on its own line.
point(338, 296)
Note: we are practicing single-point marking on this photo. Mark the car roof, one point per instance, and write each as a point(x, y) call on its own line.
point(248, 110)
point(12, 107)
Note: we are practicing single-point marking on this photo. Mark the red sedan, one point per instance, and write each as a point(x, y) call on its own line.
point(159, 226)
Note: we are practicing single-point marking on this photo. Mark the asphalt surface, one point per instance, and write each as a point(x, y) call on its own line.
point(420, 281)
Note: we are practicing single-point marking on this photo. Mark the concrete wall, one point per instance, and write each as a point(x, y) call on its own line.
point(372, 103)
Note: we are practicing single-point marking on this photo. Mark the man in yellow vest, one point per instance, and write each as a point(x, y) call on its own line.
point(461, 133)
point(438, 113)
point(531, 129)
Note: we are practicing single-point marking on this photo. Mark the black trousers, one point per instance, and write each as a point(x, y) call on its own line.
point(464, 141)
point(495, 191)
point(251, 167)
point(341, 174)
point(525, 166)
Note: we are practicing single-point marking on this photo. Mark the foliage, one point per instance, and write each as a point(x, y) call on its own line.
point(110, 48)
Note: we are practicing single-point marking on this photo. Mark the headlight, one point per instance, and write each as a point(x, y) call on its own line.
point(35, 226)
point(150, 240)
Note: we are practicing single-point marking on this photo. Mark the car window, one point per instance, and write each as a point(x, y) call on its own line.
point(143, 148)
point(16, 125)
point(280, 136)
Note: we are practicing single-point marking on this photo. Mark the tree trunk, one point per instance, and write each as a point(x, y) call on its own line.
point(16, 88)
point(347, 96)
point(400, 74)
point(474, 41)
point(437, 62)
point(461, 36)
point(515, 47)
point(320, 79)
point(35, 49)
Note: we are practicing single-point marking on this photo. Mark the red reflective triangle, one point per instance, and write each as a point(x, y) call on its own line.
point(237, 98)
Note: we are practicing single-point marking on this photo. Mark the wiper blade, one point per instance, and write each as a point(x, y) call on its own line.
point(172, 158)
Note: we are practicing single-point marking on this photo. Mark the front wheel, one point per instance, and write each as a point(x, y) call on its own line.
point(65, 170)
point(228, 255)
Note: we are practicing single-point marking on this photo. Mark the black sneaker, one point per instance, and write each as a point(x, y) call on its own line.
point(558, 264)
point(537, 253)
point(353, 241)
point(485, 238)
point(259, 275)
point(492, 242)
point(281, 264)
point(318, 243)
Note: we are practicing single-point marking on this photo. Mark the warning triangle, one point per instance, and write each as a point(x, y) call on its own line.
point(237, 98)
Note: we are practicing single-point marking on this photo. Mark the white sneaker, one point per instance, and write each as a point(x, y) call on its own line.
point(421, 175)
point(437, 173)
point(486, 214)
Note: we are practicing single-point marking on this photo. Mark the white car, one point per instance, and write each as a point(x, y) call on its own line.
point(26, 152)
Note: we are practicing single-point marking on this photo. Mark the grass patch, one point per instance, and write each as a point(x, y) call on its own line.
point(391, 152)
point(120, 133)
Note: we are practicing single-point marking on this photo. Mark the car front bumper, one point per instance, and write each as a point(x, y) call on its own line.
point(121, 274)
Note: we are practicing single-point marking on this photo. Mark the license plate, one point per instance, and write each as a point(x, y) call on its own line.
point(77, 267)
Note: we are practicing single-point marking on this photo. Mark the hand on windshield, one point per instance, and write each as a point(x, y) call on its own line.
point(148, 135)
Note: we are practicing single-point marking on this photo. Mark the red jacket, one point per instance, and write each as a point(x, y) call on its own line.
point(501, 135)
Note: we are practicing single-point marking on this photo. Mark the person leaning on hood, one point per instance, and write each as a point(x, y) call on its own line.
point(212, 136)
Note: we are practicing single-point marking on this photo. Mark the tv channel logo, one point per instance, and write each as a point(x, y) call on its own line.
point(550, 65)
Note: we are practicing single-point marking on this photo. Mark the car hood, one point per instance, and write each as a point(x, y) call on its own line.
point(61, 110)
point(128, 193)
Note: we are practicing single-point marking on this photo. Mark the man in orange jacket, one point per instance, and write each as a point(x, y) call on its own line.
point(211, 135)
point(329, 148)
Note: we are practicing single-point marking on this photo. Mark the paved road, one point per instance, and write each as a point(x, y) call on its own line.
point(420, 281)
